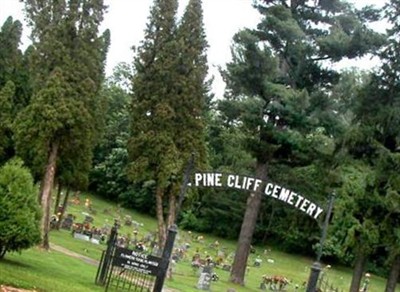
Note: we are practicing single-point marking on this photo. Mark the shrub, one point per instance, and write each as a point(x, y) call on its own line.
point(19, 208)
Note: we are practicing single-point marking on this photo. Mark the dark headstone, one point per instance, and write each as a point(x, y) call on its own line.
point(53, 221)
point(88, 219)
point(226, 267)
point(67, 222)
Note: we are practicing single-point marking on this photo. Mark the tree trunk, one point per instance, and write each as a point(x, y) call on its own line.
point(47, 185)
point(246, 232)
point(359, 265)
point(172, 204)
point(271, 218)
point(393, 275)
point(58, 198)
point(160, 217)
point(64, 207)
point(3, 251)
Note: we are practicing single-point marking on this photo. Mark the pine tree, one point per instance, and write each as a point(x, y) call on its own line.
point(151, 147)
point(63, 118)
point(10, 55)
point(169, 93)
point(14, 83)
point(192, 99)
point(277, 76)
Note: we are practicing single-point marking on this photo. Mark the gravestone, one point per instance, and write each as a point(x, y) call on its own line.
point(82, 236)
point(106, 229)
point(226, 267)
point(96, 238)
point(53, 221)
point(205, 278)
point(257, 262)
point(67, 222)
point(88, 219)
point(128, 220)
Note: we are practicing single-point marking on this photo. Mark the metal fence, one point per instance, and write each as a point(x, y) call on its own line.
point(122, 269)
point(124, 279)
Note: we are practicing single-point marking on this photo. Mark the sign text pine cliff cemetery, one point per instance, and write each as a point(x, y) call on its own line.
point(246, 183)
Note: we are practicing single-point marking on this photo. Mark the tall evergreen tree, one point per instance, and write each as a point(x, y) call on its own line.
point(14, 84)
point(168, 103)
point(276, 72)
point(193, 98)
point(10, 54)
point(6, 98)
point(152, 151)
point(63, 117)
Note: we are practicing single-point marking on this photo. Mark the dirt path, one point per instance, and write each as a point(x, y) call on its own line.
point(74, 254)
point(12, 289)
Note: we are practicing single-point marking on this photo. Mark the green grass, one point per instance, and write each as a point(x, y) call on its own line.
point(47, 271)
point(64, 238)
point(52, 271)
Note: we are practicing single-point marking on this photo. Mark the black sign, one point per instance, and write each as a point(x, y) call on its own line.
point(136, 261)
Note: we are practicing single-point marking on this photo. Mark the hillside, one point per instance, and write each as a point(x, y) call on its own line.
point(273, 262)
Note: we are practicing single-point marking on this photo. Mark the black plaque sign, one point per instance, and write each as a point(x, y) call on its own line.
point(136, 261)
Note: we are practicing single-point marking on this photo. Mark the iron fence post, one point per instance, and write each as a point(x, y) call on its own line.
point(169, 244)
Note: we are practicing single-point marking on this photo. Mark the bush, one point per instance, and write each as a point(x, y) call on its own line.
point(19, 208)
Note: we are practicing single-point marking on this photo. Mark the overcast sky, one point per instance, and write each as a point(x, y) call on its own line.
point(127, 20)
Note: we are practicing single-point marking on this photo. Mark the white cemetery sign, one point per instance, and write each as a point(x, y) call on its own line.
point(247, 183)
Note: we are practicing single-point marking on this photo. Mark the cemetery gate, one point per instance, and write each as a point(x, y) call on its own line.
point(122, 269)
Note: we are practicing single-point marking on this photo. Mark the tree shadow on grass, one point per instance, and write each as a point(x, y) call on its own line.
point(14, 263)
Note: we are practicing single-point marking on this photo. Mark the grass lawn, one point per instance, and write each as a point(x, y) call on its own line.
point(47, 271)
point(53, 271)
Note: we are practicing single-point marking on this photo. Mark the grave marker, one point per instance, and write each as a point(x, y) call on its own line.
point(205, 278)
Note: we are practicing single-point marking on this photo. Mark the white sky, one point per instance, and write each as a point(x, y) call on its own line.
point(127, 20)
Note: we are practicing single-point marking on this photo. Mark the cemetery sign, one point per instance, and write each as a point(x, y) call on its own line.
point(211, 179)
point(136, 261)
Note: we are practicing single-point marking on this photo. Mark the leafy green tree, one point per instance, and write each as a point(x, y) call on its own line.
point(373, 142)
point(20, 212)
point(378, 112)
point(62, 121)
point(355, 226)
point(108, 177)
point(167, 104)
point(280, 86)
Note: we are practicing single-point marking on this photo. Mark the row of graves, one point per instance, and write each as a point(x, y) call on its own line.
point(84, 230)
point(88, 231)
